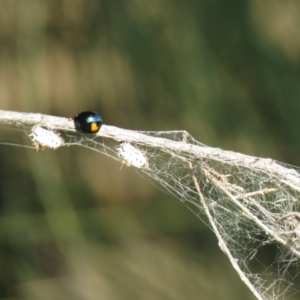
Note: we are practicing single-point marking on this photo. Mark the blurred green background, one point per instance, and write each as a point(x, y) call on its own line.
point(75, 226)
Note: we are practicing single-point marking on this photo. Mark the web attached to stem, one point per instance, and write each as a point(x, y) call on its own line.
point(252, 204)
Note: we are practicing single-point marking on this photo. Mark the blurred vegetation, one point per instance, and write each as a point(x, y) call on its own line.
point(75, 226)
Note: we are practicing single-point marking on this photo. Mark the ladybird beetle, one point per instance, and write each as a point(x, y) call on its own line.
point(88, 122)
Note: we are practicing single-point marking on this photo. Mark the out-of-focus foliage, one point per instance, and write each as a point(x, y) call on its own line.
point(75, 226)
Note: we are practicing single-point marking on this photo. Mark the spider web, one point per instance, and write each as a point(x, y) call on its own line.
point(252, 204)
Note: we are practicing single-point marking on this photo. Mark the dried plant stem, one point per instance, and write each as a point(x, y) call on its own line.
point(249, 201)
point(222, 243)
